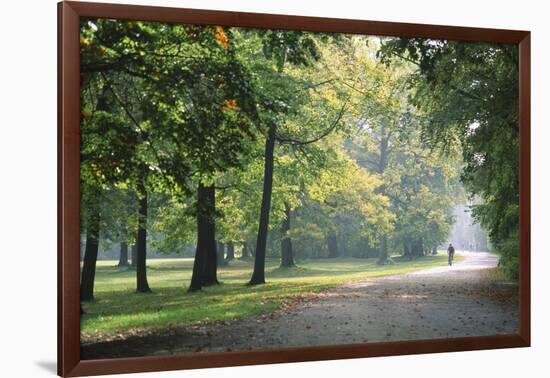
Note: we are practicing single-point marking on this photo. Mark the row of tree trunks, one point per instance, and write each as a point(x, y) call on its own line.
point(128, 255)
point(206, 256)
point(138, 251)
point(414, 248)
point(287, 255)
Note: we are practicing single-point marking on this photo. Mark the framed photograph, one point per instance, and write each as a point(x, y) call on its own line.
point(239, 188)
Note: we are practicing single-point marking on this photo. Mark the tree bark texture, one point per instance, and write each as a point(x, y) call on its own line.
point(205, 265)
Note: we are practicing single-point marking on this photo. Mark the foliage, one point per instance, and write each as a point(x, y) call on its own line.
point(374, 137)
point(469, 92)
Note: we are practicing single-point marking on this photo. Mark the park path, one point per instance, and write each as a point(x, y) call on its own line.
point(439, 302)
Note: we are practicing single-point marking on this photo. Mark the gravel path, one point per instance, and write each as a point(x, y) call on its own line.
point(435, 303)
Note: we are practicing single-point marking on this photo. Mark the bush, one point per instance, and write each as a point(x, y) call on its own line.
point(509, 256)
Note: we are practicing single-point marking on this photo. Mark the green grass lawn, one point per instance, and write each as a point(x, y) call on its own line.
point(119, 310)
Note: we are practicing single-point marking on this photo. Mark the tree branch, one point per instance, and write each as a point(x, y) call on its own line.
point(136, 123)
point(296, 142)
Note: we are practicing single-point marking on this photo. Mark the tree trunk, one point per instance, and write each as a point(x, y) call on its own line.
point(90, 254)
point(245, 252)
point(363, 247)
point(205, 265)
point(142, 286)
point(382, 164)
point(422, 249)
point(332, 244)
point(134, 256)
point(230, 251)
point(258, 275)
point(123, 259)
point(383, 254)
point(417, 248)
point(287, 256)
point(210, 276)
point(406, 251)
point(221, 254)
point(370, 251)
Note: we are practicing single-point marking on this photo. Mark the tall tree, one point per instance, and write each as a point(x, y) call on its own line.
point(258, 275)
point(96, 173)
point(284, 96)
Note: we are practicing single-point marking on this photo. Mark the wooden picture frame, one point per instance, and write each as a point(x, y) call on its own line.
point(69, 362)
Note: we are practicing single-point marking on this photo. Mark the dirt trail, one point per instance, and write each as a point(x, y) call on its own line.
point(434, 303)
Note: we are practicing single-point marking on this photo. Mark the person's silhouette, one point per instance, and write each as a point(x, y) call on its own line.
point(451, 253)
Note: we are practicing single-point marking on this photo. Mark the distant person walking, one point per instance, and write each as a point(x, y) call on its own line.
point(451, 253)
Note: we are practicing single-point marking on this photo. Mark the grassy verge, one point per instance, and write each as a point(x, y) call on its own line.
point(119, 310)
point(499, 275)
